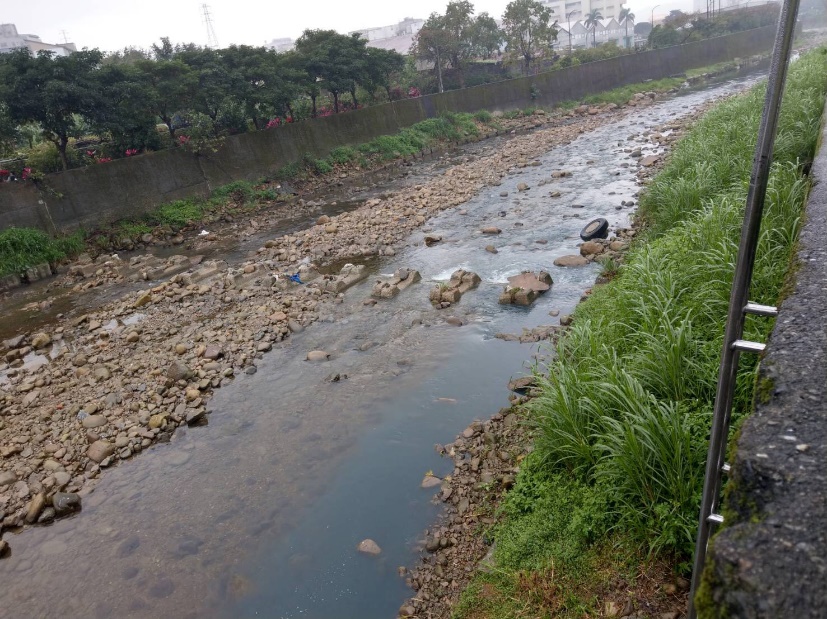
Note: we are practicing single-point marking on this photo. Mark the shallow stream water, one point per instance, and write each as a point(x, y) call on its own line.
point(260, 512)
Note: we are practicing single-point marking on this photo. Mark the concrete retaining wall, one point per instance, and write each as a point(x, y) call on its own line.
point(95, 195)
point(770, 559)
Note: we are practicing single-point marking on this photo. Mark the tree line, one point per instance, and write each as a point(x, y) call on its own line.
point(211, 92)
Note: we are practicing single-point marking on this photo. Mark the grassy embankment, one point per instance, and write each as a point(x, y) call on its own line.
point(21, 248)
point(613, 484)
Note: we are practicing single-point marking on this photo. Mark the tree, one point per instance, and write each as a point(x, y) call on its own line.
point(486, 36)
point(125, 115)
point(626, 15)
point(459, 24)
point(593, 18)
point(432, 44)
point(52, 91)
point(213, 94)
point(336, 60)
point(527, 30)
point(380, 66)
point(170, 90)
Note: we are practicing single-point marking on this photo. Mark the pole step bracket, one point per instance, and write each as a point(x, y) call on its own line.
point(760, 310)
point(715, 518)
point(747, 346)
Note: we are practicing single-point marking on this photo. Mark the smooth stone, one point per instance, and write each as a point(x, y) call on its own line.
point(570, 261)
point(100, 450)
point(66, 502)
point(429, 481)
point(93, 421)
point(318, 355)
point(369, 547)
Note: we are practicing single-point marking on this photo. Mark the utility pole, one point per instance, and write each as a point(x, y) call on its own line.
point(568, 17)
point(65, 36)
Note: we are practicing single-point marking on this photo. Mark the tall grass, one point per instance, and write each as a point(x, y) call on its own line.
point(21, 248)
point(626, 403)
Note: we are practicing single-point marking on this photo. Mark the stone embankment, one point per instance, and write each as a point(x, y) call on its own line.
point(93, 390)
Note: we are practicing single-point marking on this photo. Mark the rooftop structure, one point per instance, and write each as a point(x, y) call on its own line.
point(605, 31)
point(10, 40)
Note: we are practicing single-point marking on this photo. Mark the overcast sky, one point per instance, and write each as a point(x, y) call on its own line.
point(114, 24)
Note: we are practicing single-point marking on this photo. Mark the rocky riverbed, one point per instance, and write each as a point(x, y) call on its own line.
point(95, 389)
point(90, 391)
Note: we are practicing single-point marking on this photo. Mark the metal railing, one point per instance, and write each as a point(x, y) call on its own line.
point(739, 305)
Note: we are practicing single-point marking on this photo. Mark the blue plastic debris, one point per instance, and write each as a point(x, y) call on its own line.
point(296, 278)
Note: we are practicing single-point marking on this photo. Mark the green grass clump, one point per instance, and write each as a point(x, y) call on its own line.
point(342, 155)
point(483, 116)
point(240, 192)
point(178, 213)
point(22, 248)
point(622, 421)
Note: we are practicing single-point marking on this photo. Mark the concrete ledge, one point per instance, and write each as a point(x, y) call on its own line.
point(770, 560)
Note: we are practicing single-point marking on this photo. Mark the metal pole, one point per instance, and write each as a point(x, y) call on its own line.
point(740, 286)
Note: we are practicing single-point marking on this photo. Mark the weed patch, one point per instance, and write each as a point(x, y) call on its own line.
point(22, 248)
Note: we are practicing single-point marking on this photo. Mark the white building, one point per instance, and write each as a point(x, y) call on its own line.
point(605, 31)
point(281, 45)
point(563, 10)
point(10, 40)
point(398, 37)
point(408, 26)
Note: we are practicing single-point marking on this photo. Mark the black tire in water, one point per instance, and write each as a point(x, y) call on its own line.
point(595, 229)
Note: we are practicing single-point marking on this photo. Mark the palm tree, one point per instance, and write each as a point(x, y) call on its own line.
point(592, 19)
point(625, 16)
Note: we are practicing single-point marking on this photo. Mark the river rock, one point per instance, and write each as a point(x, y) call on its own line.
point(429, 481)
point(432, 240)
point(522, 187)
point(178, 370)
point(295, 326)
point(143, 299)
point(491, 249)
point(93, 421)
point(318, 355)
point(62, 479)
point(591, 248)
point(491, 230)
point(212, 352)
point(36, 506)
point(5, 551)
point(66, 502)
point(7, 478)
point(99, 451)
point(570, 261)
point(369, 547)
point(41, 340)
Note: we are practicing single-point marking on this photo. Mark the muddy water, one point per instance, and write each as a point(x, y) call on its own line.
point(259, 513)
